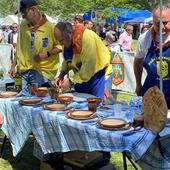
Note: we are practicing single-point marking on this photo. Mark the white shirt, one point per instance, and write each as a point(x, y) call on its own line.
point(15, 37)
point(144, 43)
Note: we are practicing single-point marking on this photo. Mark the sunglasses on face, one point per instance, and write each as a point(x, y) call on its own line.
point(25, 12)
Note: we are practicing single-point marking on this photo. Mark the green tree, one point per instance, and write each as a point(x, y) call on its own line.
point(68, 8)
point(8, 7)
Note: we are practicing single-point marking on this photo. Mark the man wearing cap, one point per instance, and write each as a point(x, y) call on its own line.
point(37, 50)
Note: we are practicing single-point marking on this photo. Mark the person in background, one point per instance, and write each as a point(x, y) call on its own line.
point(145, 28)
point(110, 38)
point(13, 35)
point(1, 36)
point(88, 24)
point(148, 55)
point(78, 19)
point(37, 51)
point(103, 31)
point(125, 39)
point(5, 32)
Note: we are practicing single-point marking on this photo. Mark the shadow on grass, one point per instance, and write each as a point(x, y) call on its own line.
point(23, 161)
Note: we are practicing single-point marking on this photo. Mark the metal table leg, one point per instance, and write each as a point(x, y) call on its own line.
point(3, 145)
point(125, 155)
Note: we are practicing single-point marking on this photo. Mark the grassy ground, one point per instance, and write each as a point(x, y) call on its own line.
point(26, 161)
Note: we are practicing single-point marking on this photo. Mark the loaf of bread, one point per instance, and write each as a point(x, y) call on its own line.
point(155, 109)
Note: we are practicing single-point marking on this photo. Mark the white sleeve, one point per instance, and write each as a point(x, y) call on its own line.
point(144, 43)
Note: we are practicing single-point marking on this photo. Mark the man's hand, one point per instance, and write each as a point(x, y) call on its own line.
point(12, 72)
point(40, 57)
point(57, 81)
point(63, 85)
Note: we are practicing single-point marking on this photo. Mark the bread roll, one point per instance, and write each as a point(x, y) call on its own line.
point(155, 109)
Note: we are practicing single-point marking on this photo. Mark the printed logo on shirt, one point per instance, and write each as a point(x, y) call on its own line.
point(44, 43)
point(164, 68)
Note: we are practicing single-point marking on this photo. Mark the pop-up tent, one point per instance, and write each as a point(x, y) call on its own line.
point(51, 19)
point(9, 20)
point(127, 14)
point(123, 15)
point(139, 20)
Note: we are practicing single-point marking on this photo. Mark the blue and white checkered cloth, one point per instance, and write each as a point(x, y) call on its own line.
point(55, 132)
point(16, 126)
point(153, 159)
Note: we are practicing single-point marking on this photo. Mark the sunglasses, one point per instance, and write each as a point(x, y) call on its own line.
point(25, 12)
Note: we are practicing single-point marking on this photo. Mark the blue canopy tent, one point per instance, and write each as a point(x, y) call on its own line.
point(124, 14)
point(127, 14)
point(87, 16)
point(140, 20)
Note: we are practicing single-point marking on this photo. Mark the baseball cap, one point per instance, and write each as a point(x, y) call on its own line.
point(26, 3)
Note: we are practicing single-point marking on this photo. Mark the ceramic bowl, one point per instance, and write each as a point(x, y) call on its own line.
point(42, 91)
point(64, 99)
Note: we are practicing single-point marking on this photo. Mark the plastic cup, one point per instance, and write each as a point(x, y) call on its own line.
point(117, 110)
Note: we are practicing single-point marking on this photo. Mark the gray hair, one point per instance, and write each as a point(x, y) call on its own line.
point(129, 27)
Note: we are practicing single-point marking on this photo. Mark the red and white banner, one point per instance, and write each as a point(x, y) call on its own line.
point(123, 74)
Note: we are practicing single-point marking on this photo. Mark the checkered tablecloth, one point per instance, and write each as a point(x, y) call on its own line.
point(16, 126)
point(55, 132)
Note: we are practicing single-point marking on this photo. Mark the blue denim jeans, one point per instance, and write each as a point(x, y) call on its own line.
point(30, 77)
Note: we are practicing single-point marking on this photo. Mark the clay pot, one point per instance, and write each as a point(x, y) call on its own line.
point(64, 99)
point(42, 91)
point(93, 103)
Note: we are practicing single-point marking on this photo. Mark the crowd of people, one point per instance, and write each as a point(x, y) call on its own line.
point(84, 53)
point(9, 34)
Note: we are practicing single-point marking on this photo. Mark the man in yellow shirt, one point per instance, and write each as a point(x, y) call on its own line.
point(90, 59)
point(37, 50)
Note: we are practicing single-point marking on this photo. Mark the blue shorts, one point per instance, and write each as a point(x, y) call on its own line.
point(94, 86)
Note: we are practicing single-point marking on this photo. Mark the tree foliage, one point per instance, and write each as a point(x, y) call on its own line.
point(67, 8)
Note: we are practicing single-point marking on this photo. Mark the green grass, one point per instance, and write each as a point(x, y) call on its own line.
point(134, 45)
point(23, 161)
point(26, 161)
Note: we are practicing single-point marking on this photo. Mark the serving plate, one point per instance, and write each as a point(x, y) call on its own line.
point(55, 107)
point(81, 114)
point(124, 127)
point(30, 102)
point(112, 123)
point(8, 94)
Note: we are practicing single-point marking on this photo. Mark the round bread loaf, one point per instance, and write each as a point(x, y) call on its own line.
point(155, 109)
